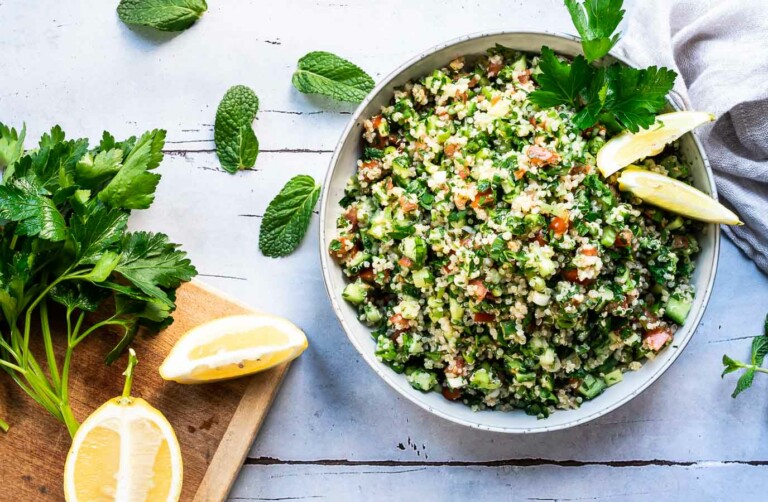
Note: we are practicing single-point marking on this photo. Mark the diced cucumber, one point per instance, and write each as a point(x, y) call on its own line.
point(613, 377)
point(372, 314)
point(520, 64)
point(484, 378)
point(609, 237)
point(421, 380)
point(457, 311)
point(423, 278)
point(355, 292)
point(592, 386)
point(415, 248)
point(677, 309)
point(356, 262)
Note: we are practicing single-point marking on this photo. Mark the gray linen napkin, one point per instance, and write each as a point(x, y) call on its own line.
point(720, 49)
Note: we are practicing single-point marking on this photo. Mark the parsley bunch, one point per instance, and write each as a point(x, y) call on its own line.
point(65, 253)
point(616, 96)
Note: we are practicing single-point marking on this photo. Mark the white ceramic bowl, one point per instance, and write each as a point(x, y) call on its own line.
point(343, 165)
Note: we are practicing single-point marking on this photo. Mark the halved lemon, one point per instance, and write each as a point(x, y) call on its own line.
point(231, 347)
point(675, 196)
point(626, 148)
point(125, 451)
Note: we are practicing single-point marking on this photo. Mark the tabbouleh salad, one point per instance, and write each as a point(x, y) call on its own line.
point(492, 260)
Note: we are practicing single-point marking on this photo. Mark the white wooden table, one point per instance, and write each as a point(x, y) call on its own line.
point(336, 431)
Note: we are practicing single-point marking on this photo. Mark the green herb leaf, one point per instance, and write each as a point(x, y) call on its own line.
point(95, 231)
point(730, 365)
point(91, 171)
point(635, 96)
point(560, 83)
point(151, 262)
point(327, 74)
point(596, 20)
point(164, 15)
point(27, 203)
point(133, 187)
point(744, 382)
point(287, 217)
point(236, 144)
point(11, 144)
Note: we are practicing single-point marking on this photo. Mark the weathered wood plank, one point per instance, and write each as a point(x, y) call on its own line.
point(548, 483)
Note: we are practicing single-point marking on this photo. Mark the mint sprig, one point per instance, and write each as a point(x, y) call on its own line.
point(759, 351)
point(327, 74)
point(163, 15)
point(236, 144)
point(287, 217)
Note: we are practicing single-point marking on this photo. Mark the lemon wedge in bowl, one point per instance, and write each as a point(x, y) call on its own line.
point(627, 148)
point(232, 347)
point(126, 450)
point(675, 196)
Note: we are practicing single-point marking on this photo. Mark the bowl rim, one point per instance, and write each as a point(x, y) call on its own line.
point(386, 373)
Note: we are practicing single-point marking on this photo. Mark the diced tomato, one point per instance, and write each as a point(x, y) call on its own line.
point(541, 156)
point(343, 252)
point(657, 338)
point(623, 239)
point(451, 394)
point(405, 262)
point(519, 174)
point(390, 185)
point(494, 68)
point(571, 275)
point(463, 173)
point(495, 99)
point(369, 164)
point(559, 225)
point(680, 242)
point(399, 322)
point(484, 317)
point(524, 77)
point(483, 199)
point(450, 149)
point(473, 81)
point(589, 251)
point(367, 275)
point(376, 121)
point(407, 205)
point(351, 216)
point(461, 96)
point(540, 238)
point(480, 289)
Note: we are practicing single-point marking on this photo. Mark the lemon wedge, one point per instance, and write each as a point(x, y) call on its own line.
point(626, 148)
point(231, 347)
point(126, 450)
point(675, 196)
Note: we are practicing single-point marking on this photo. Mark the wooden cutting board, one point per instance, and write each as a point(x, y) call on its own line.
point(215, 423)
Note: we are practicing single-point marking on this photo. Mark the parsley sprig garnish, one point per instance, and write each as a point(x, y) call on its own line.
point(759, 351)
point(68, 263)
point(616, 96)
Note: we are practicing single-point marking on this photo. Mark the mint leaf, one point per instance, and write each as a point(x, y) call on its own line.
point(164, 15)
point(287, 217)
point(151, 262)
point(327, 74)
point(236, 143)
point(744, 382)
point(27, 203)
point(758, 353)
point(133, 187)
point(11, 144)
point(596, 20)
point(560, 83)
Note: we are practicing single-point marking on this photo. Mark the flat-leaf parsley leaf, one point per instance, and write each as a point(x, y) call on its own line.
point(327, 74)
point(164, 15)
point(236, 143)
point(287, 217)
point(596, 20)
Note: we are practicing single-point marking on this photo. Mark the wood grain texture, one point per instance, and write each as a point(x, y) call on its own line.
point(215, 423)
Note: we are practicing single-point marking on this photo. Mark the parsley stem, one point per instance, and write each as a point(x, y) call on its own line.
point(12, 366)
point(132, 361)
point(28, 316)
point(48, 342)
point(4, 425)
point(101, 324)
point(66, 410)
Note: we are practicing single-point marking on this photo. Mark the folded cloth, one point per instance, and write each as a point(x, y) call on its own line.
point(720, 49)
